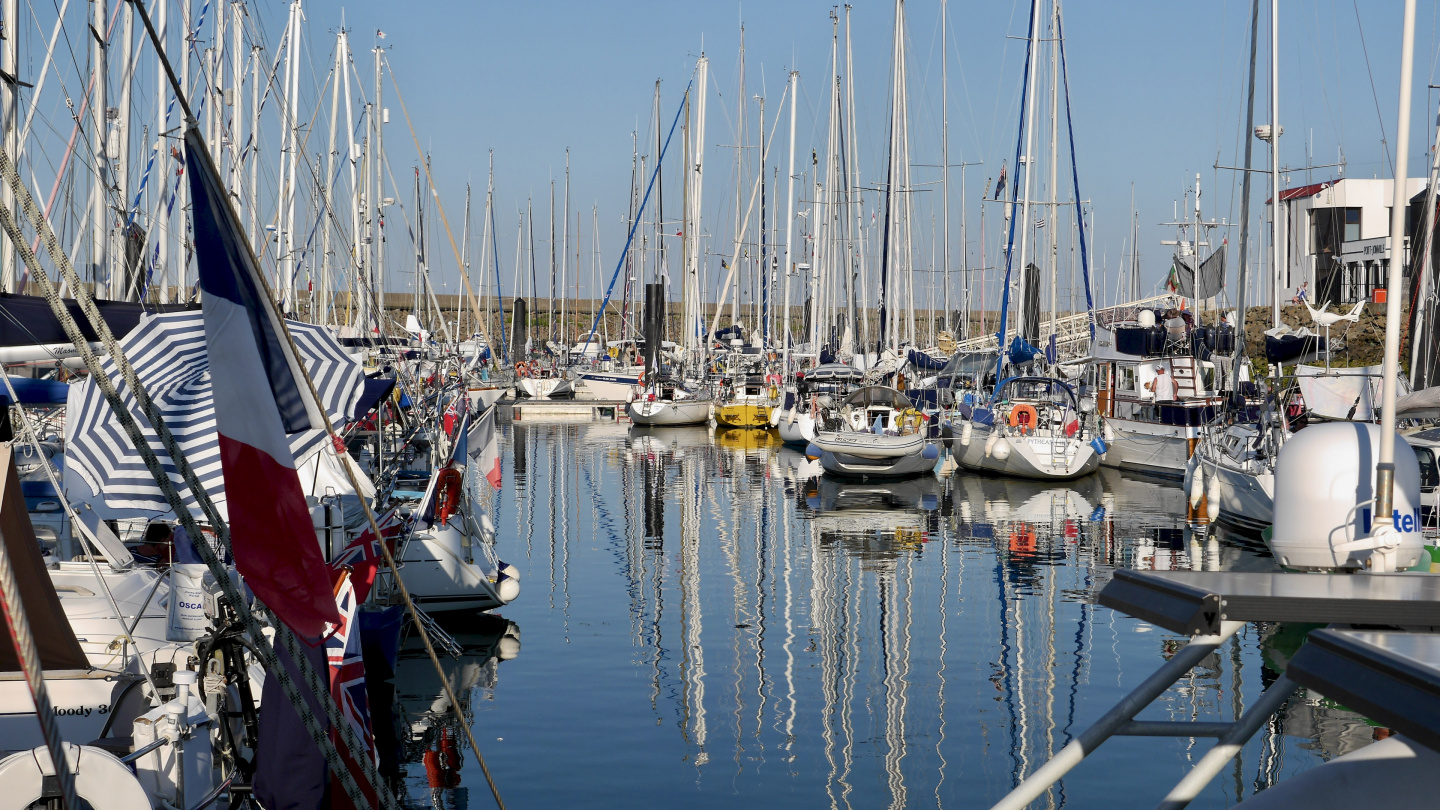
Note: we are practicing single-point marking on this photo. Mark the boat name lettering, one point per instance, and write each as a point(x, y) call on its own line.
point(1406, 523)
point(82, 711)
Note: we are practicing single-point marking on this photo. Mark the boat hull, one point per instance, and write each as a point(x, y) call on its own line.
point(606, 385)
point(796, 429)
point(870, 445)
point(658, 413)
point(544, 387)
point(742, 415)
point(441, 575)
point(844, 465)
point(1247, 501)
point(1149, 448)
point(1030, 456)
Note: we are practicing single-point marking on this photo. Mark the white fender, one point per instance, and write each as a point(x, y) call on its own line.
point(1002, 449)
point(990, 443)
point(1197, 486)
point(102, 780)
point(1109, 433)
point(966, 431)
point(1212, 495)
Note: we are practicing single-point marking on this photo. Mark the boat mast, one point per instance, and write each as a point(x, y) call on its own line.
point(789, 274)
point(739, 177)
point(762, 271)
point(945, 160)
point(99, 233)
point(1027, 160)
point(692, 294)
point(858, 273)
point(1385, 470)
point(565, 253)
point(378, 148)
point(1053, 228)
point(9, 120)
point(1275, 131)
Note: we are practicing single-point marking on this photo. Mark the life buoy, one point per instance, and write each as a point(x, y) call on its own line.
point(447, 494)
point(101, 780)
point(1023, 417)
point(523, 369)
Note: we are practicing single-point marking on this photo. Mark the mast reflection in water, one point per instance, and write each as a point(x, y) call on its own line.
point(711, 622)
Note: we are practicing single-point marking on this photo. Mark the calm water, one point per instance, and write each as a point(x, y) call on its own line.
point(707, 623)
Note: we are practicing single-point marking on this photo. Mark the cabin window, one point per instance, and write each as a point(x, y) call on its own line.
point(1429, 472)
point(1352, 224)
point(1127, 378)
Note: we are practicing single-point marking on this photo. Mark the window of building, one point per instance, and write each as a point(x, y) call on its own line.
point(1352, 224)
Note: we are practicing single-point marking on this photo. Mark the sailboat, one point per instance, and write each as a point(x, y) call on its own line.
point(875, 432)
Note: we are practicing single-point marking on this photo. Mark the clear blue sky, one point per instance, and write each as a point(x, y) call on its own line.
point(1157, 94)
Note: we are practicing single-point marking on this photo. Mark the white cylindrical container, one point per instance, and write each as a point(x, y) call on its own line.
point(1324, 497)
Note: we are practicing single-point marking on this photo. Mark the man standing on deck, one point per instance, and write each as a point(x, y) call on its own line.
point(1163, 385)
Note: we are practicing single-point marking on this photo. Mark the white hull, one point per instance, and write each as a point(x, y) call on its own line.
point(1030, 456)
point(606, 385)
point(1148, 447)
point(850, 466)
point(659, 412)
point(796, 428)
point(870, 445)
point(544, 387)
point(482, 398)
point(442, 572)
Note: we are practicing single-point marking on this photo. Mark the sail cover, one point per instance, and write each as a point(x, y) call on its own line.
point(168, 353)
point(1209, 281)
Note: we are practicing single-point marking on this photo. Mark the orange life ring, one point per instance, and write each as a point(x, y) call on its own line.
point(522, 368)
point(447, 494)
point(1023, 417)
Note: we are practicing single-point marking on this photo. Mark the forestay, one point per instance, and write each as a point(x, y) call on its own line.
point(168, 353)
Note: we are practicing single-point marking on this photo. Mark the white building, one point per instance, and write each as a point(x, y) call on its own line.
point(1336, 236)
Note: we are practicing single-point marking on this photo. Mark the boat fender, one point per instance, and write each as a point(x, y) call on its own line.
point(1002, 449)
point(447, 494)
point(507, 589)
point(1212, 496)
point(1109, 434)
point(1189, 473)
point(812, 452)
point(101, 780)
point(990, 443)
point(1197, 486)
point(931, 452)
point(966, 431)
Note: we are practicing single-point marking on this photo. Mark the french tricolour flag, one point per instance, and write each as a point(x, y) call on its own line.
point(478, 443)
point(261, 395)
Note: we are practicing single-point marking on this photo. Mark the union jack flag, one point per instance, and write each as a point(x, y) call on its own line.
point(347, 676)
point(363, 554)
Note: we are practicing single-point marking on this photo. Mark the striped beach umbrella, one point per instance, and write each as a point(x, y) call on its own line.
point(103, 469)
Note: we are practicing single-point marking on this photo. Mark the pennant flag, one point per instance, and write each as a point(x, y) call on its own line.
point(1000, 186)
point(363, 554)
point(261, 395)
point(347, 686)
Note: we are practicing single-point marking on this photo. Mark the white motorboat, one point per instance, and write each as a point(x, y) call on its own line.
point(814, 390)
point(612, 386)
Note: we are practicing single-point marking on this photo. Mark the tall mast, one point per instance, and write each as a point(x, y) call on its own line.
point(377, 147)
point(10, 121)
point(789, 273)
point(1275, 163)
point(945, 157)
point(888, 234)
point(1028, 160)
point(739, 175)
point(290, 125)
point(763, 274)
point(861, 279)
point(551, 308)
point(99, 233)
point(565, 252)
point(693, 294)
point(1053, 228)
point(330, 157)
point(1385, 468)
point(465, 271)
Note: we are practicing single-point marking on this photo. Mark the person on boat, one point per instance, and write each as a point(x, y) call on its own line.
point(156, 548)
point(1163, 386)
point(1302, 293)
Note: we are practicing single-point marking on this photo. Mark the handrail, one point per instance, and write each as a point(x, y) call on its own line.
point(138, 753)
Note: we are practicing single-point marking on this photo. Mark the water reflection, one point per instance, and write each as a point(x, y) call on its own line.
point(720, 621)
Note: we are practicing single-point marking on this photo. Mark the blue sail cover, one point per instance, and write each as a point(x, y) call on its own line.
point(1021, 352)
point(924, 362)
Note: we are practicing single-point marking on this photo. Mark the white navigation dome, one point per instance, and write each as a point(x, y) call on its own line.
point(1324, 491)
